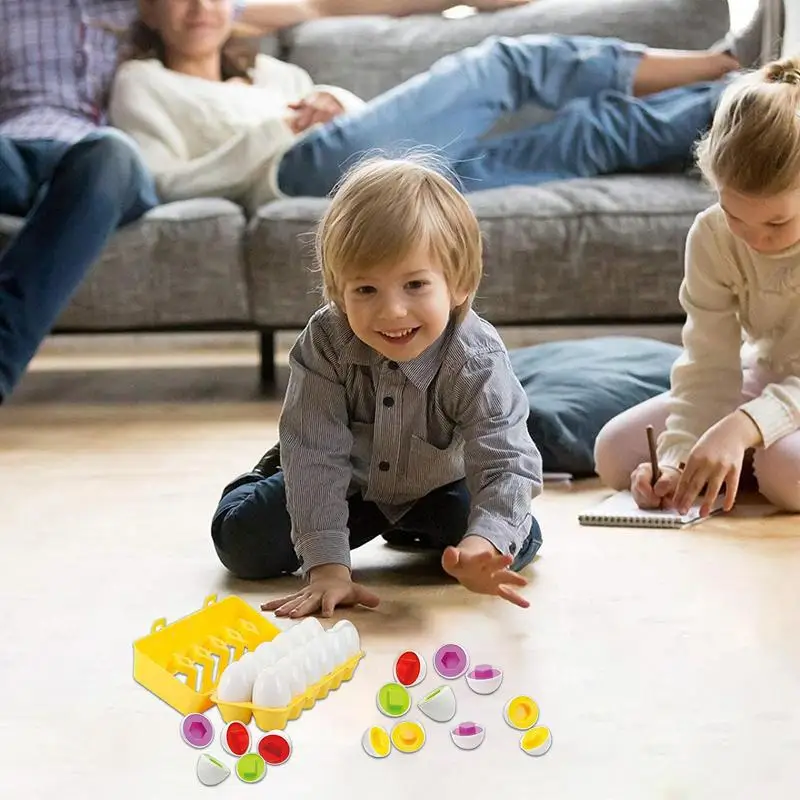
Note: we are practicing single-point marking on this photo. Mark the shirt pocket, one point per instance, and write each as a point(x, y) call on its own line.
point(430, 467)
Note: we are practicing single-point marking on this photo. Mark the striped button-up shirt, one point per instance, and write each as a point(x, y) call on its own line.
point(354, 421)
point(57, 59)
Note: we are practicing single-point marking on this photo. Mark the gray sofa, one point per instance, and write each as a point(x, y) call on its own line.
point(590, 250)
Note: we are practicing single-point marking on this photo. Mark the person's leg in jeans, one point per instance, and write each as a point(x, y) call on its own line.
point(92, 188)
point(440, 519)
point(460, 98)
point(252, 531)
point(610, 132)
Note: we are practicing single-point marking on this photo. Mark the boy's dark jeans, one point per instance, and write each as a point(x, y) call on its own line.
point(251, 528)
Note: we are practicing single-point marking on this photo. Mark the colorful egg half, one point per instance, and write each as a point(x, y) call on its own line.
point(275, 747)
point(468, 735)
point(250, 768)
point(235, 738)
point(484, 679)
point(410, 668)
point(521, 712)
point(451, 661)
point(393, 700)
point(439, 705)
point(408, 737)
point(537, 741)
point(376, 742)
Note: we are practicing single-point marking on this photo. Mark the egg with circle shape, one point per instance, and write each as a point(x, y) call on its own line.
point(376, 742)
point(410, 668)
point(537, 741)
point(521, 712)
point(484, 679)
point(439, 705)
point(210, 771)
point(451, 661)
point(408, 736)
point(393, 700)
point(468, 735)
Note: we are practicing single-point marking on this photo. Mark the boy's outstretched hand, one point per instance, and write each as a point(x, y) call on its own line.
point(330, 585)
point(479, 567)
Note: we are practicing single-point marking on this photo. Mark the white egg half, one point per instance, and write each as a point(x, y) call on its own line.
point(234, 685)
point(439, 705)
point(271, 689)
point(484, 679)
point(468, 735)
point(537, 741)
point(211, 772)
point(376, 742)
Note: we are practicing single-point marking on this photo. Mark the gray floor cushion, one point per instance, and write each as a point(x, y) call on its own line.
point(575, 387)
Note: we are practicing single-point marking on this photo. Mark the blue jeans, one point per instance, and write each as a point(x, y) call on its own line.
point(74, 198)
point(251, 528)
point(599, 128)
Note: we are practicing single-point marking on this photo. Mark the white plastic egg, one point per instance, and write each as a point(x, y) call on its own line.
point(484, 679)
point(337, 645)
point(282, 645)
point(293, 672)
point(271, 689)
point(309, 629)
point(251, 667)
point(266, 654)
point(234, 685)
point(326, 656)
point(537, 741)
point(353, 640)
point(312, 662)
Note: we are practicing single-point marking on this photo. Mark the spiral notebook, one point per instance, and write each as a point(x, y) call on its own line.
point(620, 510)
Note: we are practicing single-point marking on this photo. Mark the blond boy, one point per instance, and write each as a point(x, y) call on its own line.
point(402, 416)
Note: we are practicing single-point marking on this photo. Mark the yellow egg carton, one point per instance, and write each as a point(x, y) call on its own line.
point(199, 646)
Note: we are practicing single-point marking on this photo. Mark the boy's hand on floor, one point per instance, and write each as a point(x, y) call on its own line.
point(330, 585)
point(479, 567)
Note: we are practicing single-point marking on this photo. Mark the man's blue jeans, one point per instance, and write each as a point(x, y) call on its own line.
point(598, 127)
point(74, 197)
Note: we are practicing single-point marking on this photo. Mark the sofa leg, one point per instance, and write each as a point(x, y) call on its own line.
point(267, 354)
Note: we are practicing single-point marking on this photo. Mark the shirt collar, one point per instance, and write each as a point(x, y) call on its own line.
point(420, 370)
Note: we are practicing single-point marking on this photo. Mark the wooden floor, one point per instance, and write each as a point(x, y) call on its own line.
point(666, 663)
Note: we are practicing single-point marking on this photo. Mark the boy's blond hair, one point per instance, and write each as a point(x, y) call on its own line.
point(753, 146)
point(383, 212)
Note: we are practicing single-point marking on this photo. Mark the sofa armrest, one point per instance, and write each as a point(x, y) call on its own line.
point(369, 55)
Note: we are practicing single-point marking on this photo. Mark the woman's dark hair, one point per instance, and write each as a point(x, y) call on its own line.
point(140, 41)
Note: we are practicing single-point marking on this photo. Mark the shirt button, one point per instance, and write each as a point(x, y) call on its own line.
point(393, 365)
point(388, 402)
point(383, 466)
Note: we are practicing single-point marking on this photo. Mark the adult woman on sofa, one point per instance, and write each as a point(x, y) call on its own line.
point(207, 127)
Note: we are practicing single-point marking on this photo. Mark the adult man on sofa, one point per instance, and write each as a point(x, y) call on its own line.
point(74, 179)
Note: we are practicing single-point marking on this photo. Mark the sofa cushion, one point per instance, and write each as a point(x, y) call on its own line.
point(369, 55)
point(180, 265)
point(576, 387)
point(595, 249)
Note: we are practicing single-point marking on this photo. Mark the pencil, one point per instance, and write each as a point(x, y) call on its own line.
point(651, 443)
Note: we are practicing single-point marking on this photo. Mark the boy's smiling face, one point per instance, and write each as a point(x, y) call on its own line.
point(400, 310)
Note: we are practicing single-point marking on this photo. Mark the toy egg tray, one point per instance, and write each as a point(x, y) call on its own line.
point(181, 663)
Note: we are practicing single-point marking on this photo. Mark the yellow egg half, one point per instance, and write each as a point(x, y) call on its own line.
point(376, 743)
point(536, 741)
point(521, 712)
point(408, 737)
